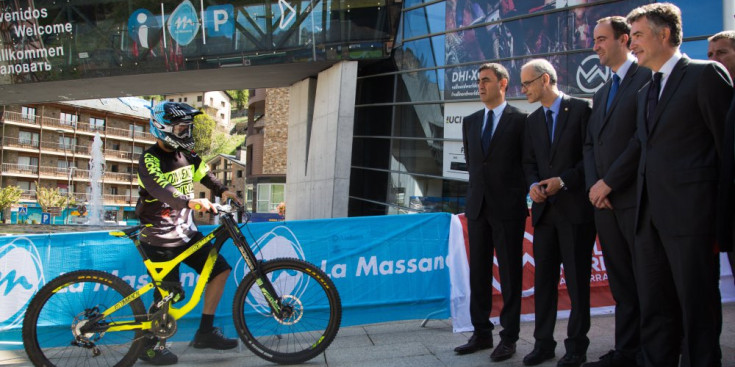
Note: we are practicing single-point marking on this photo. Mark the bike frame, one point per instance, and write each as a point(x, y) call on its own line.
point(159, 269)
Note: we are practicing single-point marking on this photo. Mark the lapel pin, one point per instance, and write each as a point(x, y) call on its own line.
point(566, 109)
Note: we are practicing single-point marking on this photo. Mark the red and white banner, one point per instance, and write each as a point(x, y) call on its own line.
point(600, 298)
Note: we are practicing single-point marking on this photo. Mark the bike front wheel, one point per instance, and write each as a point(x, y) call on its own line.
point(54, 324)
point(309, 320)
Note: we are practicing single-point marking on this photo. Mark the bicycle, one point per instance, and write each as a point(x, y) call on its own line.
point(285, 310)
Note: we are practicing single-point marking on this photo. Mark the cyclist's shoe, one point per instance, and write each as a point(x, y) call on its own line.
point(213, 340)
point(158, 355)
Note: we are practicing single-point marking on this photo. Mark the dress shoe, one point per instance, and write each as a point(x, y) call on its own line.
point(538, 356)
point(572, 360)
point(612, 359)
point(474, 344)
point(503, 351)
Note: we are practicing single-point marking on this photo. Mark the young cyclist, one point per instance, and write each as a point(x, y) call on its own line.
point(166, 175)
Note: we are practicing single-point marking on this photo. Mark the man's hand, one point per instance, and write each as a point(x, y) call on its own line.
point(553, 185)
point(230, 195)
point(202, 205)
point(537, 193)
point(598, 195)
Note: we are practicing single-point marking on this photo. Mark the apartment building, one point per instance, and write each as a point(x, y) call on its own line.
point(216, 104)
point(230, 170)
point(50, 145)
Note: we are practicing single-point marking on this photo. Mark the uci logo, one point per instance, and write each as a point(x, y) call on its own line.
point(279, 242)
point(591, 75)
point(21, 275)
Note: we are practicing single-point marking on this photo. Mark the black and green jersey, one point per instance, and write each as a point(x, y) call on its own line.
point(166, 181)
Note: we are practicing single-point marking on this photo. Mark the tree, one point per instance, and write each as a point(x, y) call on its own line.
point(9, 196)
point(240, 97)
point(49, 197)
point(203, 131)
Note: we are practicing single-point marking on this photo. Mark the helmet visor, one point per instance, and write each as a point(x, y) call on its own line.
point(182, 131)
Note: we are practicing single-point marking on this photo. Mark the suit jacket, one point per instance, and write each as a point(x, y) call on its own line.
point(496, 178)
point(562, 158)
point(680, 155)
point(726, 199)
point(608, 134)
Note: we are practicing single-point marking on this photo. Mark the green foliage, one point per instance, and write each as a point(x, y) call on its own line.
point(9, 196)
point(240, 98)
point(223, 143)
point(156, 98)
point(49, 197)
point(203, 131)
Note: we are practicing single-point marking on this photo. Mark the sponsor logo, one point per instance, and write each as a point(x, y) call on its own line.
point(280, 242)
point(183, 24)
point(21, 275)
point(591, 75)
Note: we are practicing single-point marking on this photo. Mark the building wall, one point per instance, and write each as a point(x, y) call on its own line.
point(275, 138)
point(217, 104)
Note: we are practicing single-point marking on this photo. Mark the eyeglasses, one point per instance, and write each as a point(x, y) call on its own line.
point(525, 85)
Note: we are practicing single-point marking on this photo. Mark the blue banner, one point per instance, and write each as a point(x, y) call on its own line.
point(386, 268)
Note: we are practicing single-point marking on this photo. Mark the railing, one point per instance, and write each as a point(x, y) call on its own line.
point(119, 199)
point(21, 117)
point(119, 154)
point(54, 171)
point(116, 176)
point(20, 143)
point(20, 168)
point(113, 131)
point(52, 122)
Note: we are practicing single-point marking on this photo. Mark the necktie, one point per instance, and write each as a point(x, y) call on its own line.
point(652, 98)
point(613, 89)
point(550, 124)
point(487, 132)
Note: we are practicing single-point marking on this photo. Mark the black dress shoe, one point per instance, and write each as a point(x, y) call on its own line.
point(612, 359)
point(503, 351)
point(572, 360)
point(538, 356)
point(474, 344)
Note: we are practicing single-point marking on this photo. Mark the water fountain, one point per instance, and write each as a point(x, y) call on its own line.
point(96, 170)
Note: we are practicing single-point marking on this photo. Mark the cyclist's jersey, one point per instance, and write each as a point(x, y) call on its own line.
point(166, 181)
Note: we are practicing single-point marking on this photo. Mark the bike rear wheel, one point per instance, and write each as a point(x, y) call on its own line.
point(313, 312)
point(51, 328)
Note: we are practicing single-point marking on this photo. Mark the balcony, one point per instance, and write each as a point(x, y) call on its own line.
point(31, 144)
point(120, 199)
point(118, 154)
point(20, 169)
point(122, 133)
point(20, 118)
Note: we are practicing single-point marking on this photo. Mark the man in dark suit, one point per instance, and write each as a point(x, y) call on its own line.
point(496, 211)
point(680, 119)
point(564, 230)
point(722, 49)
point(610, 177)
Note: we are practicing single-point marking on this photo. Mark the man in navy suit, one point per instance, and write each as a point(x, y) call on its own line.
point(564, 230)
point(680, 129)
point(496, 211)
point(610, 176)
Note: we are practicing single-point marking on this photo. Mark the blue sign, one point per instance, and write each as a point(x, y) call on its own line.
point(183, 24)
point(220, 20)
point(386, 268)
point(22, 211)
point(143, 27)
point(45, 218)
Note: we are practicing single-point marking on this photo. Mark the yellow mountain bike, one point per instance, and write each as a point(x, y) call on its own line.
point(285, 310)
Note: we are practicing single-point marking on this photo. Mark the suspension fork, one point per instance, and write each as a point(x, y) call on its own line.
point(255, 266)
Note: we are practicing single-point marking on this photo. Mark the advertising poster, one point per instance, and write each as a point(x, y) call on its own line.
point(550, 29)
point(454, 162)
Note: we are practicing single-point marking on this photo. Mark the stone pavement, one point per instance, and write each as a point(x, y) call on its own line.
point(406, 343)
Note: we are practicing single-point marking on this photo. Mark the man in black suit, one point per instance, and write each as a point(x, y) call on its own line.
point(496, 211)
point(564, 230)
point(722, 49)
point(680, 119)
point(610, 177)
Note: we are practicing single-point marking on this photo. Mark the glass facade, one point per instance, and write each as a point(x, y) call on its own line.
point(407, 133)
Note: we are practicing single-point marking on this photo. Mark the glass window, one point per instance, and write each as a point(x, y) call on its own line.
point(249, 197)
point(424, 20)
point(96, 123)
point(367, 89)
point(417, 156)
point(67, 142)
point(420, 121)
point(68, 118)
point(28, 113)
point(374, 121)
point(28, 162)
point(269, 196)
point(420, 86)
point(28, 138)
point(60, 163)
point(199, 98)
point(137, 149)
point(369, 184)
point(371, 152)
point(26, 185)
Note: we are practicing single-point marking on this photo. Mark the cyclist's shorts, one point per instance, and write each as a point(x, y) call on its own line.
point(195, 261)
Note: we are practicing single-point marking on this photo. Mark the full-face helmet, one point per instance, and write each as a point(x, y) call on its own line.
point(172, 122)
